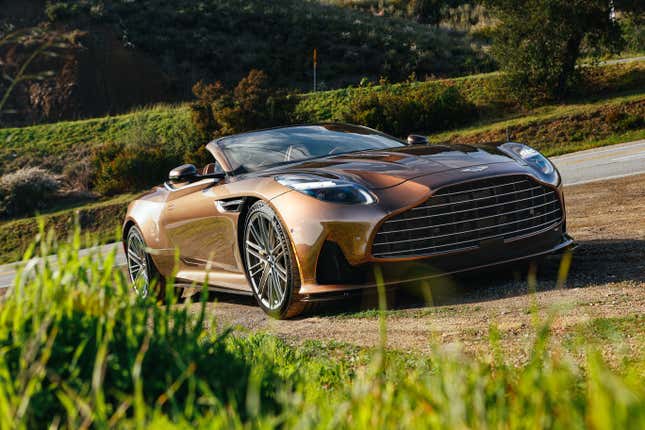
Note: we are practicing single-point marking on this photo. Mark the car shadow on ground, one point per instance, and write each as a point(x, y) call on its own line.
point(594, 262)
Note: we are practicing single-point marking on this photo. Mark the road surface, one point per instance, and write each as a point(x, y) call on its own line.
point(604, 163)
point(591, 165)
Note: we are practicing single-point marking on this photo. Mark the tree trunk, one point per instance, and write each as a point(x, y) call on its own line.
point(571, 54)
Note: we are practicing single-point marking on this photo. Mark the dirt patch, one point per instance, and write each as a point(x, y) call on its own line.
point(606, 282)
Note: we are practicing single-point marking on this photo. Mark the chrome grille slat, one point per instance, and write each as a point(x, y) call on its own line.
point(474, 244)
point(493, 208)
point(477, 199)
point(482, 188)
point(468, 210)
point(473, 230)
point(458, 222)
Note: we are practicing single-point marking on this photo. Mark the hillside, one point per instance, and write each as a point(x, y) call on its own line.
point(149, 51)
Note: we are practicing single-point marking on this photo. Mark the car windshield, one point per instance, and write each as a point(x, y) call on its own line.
point(259, 150)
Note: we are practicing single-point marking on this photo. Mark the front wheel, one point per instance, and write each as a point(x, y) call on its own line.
point(270, 263)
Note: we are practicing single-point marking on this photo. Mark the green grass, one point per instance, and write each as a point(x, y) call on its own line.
point(69, 140)
point(78, 350)
point(101, 220)
point(560, 129)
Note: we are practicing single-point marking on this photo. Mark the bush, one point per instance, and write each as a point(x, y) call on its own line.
point(422, 109)
point(252, 105)
point(122, 168)
point(143, 156)
point(26, 191)
point(78, 175)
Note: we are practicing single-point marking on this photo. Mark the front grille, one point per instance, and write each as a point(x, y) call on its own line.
point(463, 216)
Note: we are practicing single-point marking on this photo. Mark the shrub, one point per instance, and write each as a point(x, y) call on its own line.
point(421, 109)
point(122, 168)
point(252, 104)
point(78, 175)
point(143, 156)
point(26, 191)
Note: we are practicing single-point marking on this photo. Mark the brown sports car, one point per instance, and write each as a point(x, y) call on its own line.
point(297, 214)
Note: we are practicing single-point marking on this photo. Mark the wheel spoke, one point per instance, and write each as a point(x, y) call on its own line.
point(263, 280)
point(254, 246)
point(134, 256)
point(282, 272)
point(278, 286)
point(253, 273)
point(256, 255)
point(271, 236)
point(255, 233)
point(271, 290)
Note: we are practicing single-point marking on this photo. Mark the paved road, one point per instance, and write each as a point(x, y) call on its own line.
point(597, 164)
point(577, 168)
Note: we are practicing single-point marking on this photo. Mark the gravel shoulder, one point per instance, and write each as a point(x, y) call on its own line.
point(603, 298)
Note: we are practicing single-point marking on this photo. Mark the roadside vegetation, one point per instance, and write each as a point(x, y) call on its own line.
point(79, 350)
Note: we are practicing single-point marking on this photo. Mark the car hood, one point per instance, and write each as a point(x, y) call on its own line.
point(383, 169)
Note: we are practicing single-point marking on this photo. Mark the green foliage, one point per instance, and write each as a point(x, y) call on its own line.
point(252, 105)
point(26, 191)
point(142, 157)
point(80, 347)
point(556, 130)
point(59, 144)
point(79, 350)
point(538, 42)
point(633, 28)
point(421, 109)
point(224, 39)
point(122, 168)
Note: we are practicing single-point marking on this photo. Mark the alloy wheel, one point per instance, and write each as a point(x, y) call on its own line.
point(138, 263)
point(266, 260)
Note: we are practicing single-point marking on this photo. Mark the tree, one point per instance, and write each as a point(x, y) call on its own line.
point(538, 42)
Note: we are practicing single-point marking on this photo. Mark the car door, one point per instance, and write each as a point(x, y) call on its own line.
point(202, 228)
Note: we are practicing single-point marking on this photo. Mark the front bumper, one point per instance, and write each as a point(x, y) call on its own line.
point(314, 225)
point(397, 274)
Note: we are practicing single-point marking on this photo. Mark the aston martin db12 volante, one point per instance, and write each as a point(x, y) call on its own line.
point(298, 214)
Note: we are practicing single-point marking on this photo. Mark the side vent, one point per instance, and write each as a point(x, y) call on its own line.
point(231, 205)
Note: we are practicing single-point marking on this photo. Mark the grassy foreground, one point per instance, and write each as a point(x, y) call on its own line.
point(78, 350)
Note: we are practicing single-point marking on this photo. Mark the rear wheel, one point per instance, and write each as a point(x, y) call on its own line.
point(270, 263)
point(143, 274)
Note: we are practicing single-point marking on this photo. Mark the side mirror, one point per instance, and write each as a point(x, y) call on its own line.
point(417, 139)
point(183, 173)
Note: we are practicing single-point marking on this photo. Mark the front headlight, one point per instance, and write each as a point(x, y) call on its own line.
point(326, 189)
point(530, 157)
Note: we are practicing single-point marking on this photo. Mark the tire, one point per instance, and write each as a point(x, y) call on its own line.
point(144, 276)
point(269, 262)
